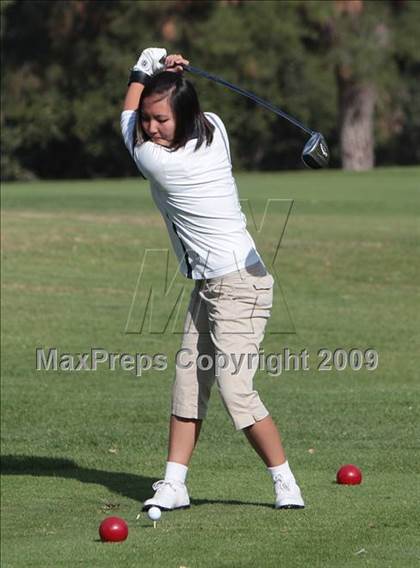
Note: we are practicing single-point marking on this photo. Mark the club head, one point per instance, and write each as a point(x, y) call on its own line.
point(315, 154)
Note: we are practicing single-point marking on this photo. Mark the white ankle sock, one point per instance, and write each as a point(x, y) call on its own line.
point(283, 470)
point(176, 472)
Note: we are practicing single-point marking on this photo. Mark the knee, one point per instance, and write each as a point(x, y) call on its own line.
point(235, 395)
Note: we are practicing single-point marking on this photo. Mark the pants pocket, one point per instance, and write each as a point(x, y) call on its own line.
point(263, 291)
point(265, 283)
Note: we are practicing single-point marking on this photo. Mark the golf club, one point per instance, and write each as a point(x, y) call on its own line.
point(315, 153)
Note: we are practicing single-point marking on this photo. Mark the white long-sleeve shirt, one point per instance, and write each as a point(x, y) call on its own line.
point(197, 196)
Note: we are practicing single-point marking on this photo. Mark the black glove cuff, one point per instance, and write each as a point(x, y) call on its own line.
point(137, 76)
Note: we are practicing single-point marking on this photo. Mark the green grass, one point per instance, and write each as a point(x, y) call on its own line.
point(78, 446)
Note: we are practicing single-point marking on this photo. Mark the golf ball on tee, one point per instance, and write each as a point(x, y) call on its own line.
point(154, 513)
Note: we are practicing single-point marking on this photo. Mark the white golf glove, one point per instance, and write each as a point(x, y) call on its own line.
point(150, 62)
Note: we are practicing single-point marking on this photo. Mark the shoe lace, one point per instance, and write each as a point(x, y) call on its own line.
point(161, 484)
point(281, 484)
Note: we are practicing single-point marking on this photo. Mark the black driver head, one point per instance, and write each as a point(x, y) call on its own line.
point(315, 154)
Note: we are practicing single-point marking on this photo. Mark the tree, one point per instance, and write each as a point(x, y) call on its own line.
point(361, 34)
point(346, 68)
point(361, 40)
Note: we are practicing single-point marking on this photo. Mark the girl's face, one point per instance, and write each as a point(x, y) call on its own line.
point(157, 119)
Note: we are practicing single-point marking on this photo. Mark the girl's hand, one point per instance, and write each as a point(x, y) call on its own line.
point(175, 63)
point(151, 60)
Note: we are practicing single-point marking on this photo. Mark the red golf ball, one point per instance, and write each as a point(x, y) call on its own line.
point(349, 475)
point(113, 529)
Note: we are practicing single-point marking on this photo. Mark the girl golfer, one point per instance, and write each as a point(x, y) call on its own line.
point(185, 155)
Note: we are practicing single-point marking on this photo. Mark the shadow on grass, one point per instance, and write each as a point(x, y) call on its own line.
point(134, 487)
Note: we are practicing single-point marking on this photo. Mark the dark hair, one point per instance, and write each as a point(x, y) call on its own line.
point(190, 122)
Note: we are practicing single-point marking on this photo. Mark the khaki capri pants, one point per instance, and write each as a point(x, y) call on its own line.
point(223, 330)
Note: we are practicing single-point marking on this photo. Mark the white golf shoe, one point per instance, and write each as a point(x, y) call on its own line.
point(288, 494)
point(168, 495)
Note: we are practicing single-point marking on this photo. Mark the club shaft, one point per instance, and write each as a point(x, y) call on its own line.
point(251, 96)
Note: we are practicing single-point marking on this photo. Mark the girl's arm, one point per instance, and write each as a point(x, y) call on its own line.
point(150, 61)
point(132, 97)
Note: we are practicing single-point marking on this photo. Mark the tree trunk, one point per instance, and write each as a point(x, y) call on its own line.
point(357, 105)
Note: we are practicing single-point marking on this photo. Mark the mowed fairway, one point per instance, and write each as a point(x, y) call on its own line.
point(79, 446)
